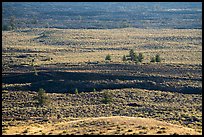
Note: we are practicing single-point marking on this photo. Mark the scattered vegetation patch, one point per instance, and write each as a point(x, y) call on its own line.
point(107, 98)
point(42, 97)
point(81, 65)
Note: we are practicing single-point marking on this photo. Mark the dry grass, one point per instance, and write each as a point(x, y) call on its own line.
point(176, 108)
point(78, 46)
point(114, 125)
point(178, 48)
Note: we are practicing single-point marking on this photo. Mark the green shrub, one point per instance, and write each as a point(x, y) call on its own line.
point(107, 98)
point(108, 57)
point(124, 58)
point(41, 97)
point(132, 55)
point(157, 58)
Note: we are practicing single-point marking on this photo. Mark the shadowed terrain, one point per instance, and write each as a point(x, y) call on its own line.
point(107, 76)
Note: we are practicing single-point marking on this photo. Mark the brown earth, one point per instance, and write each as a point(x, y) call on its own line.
point(114, 125)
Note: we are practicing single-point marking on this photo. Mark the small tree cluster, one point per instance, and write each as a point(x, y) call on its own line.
point(156, 58)
point(133, 57)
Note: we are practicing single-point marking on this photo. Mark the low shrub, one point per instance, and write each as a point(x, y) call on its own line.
point(157, 58)
point(107, 98)
point(108, 57)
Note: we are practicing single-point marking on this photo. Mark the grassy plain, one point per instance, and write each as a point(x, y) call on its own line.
point(79, 46)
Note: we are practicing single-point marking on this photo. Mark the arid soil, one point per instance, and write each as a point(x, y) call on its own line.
point(167, 94)
point(113, 125)
point(184, 109)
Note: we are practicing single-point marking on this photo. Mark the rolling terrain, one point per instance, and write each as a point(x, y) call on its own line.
point(103, 15)
point(159, 98)
point(105, 126)
point(21, 108)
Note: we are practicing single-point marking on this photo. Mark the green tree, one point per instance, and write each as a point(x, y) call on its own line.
point(41, 97)
point(124, 58)
point(108, 57)
point(140, 57)
point(157, 58)
point(132, 55)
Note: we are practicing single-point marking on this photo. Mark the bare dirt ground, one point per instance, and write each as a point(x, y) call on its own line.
point(117, 125)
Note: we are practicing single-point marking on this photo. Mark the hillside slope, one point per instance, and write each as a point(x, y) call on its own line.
point(114, 125)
